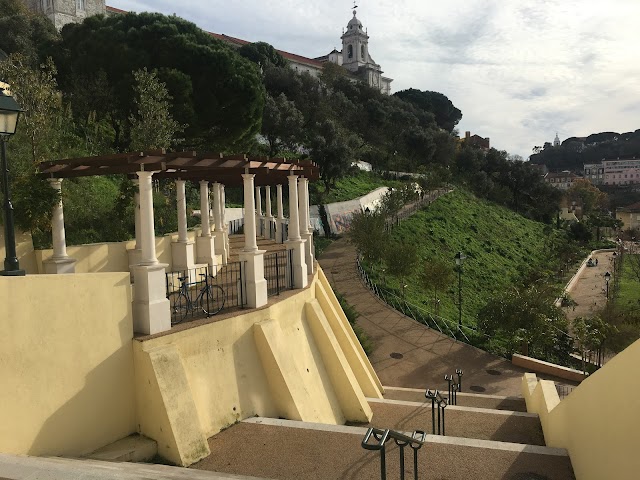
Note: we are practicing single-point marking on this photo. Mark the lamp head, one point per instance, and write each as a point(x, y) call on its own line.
point(9, 111)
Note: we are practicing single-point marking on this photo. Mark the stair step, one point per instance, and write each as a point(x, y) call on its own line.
point(14, 467)
point(465, 422)
point(515, 404)
point(284, 449)
point(134, 448)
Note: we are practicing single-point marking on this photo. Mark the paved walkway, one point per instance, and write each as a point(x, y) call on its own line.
point(590, 292)
point(407, 354)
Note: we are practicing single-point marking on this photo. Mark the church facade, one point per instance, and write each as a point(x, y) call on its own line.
point(354, 56)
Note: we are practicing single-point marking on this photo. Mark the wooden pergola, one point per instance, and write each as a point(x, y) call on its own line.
point(189, 165)
point(213, 171)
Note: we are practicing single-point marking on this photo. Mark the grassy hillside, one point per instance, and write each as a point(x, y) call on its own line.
point(500, 245)
point(348, 188)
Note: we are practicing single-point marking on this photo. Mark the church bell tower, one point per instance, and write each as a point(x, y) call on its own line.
point(355, 45)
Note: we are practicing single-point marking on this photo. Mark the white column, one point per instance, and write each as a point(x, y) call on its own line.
point(294, 220)
point(302, 209)
point(252, 259)
point(217, 211)
point(305, 232)
point(280, 237)
point(225, 226)
point(306, 190)
point(250, 242)
point(59, 262)
point(204, 209)
point(182, 210)
point(219, 234)
point(138, 228)
point(205, 244)
point(135, 254)
point(259, 216)
point(150, 305)
point(182, 251)
point(268, 214)
point(147, 227)
point(296, 244)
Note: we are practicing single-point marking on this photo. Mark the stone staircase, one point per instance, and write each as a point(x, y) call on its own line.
point(481, 443)
point(488, 437)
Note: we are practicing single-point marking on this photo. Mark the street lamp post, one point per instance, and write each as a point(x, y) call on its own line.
point(9, 113)
point(607, 277)
point(460, 258)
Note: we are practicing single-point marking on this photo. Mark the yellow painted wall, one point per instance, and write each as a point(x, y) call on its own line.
point(599, 422)
point(272, 362)
point(66, 363)
point(110, 256)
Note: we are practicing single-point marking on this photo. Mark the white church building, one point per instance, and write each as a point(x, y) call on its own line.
point(354, 56)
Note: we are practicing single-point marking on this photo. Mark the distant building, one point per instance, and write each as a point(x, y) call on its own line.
point(354, 56)
point(629, 216)
point(561, 180)
point(613, 172)
point(556, 141)
point(61, 12)
point(476, 141)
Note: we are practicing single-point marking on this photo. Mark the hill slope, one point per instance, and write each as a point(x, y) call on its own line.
point(500, 245)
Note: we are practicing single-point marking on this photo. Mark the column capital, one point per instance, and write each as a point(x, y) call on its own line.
point(55, 182)
point(204, 182)
point(142, 175)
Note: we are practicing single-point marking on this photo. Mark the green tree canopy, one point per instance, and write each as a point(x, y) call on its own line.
point(263, 54)
point(446, 114)
point(152, 126)
point(219, 93)
point(24, 32)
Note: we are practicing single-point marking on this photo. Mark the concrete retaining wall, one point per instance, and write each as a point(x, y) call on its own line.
point(540, 366)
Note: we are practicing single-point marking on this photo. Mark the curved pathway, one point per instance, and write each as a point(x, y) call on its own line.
point(406, 353)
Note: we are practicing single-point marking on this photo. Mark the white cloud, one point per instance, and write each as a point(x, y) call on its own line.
point(519, 71)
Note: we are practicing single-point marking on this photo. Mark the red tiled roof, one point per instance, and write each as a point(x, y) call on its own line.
point(634, 207)
point(238, 41)
point(290, 56)
point(115, 10)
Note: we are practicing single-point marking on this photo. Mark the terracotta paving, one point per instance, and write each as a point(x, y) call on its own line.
point(590, 292)
point(408, 354)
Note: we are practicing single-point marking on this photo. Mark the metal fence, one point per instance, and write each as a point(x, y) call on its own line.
point(236, 226)
point(420, 314)
point(563, 390)
point(205, 291)
point(276, 268)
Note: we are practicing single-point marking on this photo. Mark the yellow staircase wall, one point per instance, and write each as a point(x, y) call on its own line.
point(598, 422)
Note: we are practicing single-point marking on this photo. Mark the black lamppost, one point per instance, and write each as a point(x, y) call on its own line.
point(460, 258)
point(607, 277)
point(9, 113)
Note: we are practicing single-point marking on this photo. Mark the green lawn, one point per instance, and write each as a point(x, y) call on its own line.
point(500, 245)
point(350, 187)
point(628, 294)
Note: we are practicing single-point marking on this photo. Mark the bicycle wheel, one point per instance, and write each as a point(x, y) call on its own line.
point(179, 306)
point(213, 300)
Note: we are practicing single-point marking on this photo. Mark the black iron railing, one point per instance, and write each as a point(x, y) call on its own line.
point(376, 440)
point(564, 390)
point(440, 403)
point(275, 272)
point(236, 226)
point(454, 387)
point(420, 314)
point(205, 291)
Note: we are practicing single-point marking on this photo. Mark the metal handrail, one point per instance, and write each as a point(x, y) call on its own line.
point(415, 442)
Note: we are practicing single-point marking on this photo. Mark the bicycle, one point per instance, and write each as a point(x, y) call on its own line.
point(210, 299)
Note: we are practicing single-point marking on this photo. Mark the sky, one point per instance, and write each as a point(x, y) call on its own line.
point(519, 71)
